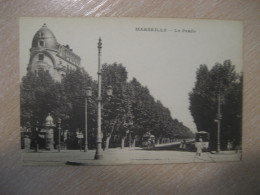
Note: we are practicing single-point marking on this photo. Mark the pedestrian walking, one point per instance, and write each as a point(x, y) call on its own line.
point(183, 144)
point(199, 147)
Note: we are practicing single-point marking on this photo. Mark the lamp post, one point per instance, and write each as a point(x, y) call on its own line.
point(219, 116)
point(218, 120)
point(88, 93)
point(59, 123)
point(98, 154)
point(36, 129)
point(109, 91)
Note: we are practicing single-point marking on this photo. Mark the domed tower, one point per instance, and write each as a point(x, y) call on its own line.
point(49, 121)
point(46, 54)
point(44, 38)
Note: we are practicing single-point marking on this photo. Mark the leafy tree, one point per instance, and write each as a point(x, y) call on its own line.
point(151, 116)
point(117, 112)
point(39, 96)
point(232, 115)
point(140, 108)
point(130, 111)
point(72, 104)
point(221, 80)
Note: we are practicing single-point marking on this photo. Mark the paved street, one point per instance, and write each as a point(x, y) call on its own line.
point(117, 156)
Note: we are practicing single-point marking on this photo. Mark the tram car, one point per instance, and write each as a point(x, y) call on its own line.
point(148, 140)
point(203, 138)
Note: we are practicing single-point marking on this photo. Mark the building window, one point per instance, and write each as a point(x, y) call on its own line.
point(41, 57)
point(41, 43)
point(41, 70)
point(41, 35)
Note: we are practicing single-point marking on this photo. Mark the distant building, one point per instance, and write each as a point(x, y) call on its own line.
point(46, 54)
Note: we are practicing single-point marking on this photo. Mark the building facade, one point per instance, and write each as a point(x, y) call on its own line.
point(46, 54)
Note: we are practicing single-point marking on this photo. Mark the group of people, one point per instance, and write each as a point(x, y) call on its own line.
point(183, 145)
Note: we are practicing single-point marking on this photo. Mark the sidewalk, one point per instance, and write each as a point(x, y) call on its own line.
point(117, 156)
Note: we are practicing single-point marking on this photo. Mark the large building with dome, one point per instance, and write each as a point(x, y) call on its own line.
point(46, 54)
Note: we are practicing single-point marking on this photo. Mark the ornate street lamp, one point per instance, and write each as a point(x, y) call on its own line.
point(109, 92)
point(59, 124)
point(98, 155)
point(88, 93)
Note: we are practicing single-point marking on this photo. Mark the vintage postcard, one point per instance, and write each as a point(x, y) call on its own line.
point(112, 91)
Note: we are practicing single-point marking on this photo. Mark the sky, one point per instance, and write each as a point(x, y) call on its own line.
point(166, 62)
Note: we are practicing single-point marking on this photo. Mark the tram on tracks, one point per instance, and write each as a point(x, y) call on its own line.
point(148, 140)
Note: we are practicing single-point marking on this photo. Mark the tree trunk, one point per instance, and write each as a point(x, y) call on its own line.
point(158, 140)
point(133, 145)
point(109, 137)
point(123, 142)
point(107, 142)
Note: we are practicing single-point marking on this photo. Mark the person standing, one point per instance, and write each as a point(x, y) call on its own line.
point(183, 145)
point(199, 147)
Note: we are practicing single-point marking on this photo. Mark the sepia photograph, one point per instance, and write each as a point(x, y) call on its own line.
point(119, 91)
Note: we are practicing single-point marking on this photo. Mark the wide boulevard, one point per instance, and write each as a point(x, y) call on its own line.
point(116, 156)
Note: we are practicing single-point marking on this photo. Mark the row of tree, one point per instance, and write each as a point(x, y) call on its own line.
point(130, 111)
point(222, 80)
